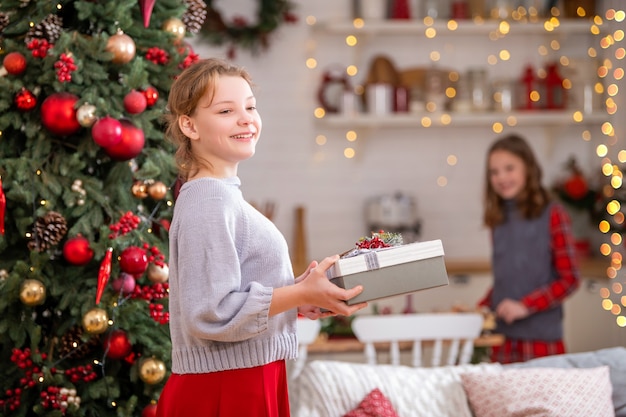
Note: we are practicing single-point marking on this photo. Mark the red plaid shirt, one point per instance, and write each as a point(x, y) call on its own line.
point(547, 296)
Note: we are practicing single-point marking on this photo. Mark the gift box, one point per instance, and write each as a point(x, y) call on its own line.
point(392, 271)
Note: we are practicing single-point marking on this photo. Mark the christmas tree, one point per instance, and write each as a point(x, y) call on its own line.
point(86, 194)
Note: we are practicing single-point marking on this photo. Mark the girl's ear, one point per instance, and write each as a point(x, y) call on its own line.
point(186, 125)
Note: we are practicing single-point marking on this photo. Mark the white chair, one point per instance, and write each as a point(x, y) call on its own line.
point(455, 328)
point(307, 331)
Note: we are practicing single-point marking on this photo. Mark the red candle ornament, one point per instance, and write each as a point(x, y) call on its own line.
point(146, 7)
point(104, 273)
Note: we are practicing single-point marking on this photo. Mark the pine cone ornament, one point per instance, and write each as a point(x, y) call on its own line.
point(73, 346)
point(48, 231)
point(195, 15)
point(49, 29)
point(4, 21)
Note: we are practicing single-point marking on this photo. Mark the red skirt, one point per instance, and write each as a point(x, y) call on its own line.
point(252, 392)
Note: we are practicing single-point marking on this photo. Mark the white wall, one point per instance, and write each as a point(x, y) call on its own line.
point(291, 169)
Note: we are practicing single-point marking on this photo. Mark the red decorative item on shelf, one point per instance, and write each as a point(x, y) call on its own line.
point(131, 144)
point(117, 345)
point(14, 63)
point(530, 89)
point(134, 260)
point(107, 131)
point(400, 9)
point(25, 100)
point(555, 92)
point(3, 206)
point(58, 114)
point(104, 273)
point(77, 251)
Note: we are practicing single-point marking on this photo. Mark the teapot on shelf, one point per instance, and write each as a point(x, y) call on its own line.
point(394, 213)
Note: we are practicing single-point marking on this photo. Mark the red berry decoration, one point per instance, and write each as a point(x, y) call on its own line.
point(58, 114)
point(25, 100)
point(131, 144)
point(152, 95)
point(149, 411)
point(77, 251)
point(107, 131)
point(133, 260)
point(14, 63)
point(64, 67)
point(117, 345)
point(135, 102)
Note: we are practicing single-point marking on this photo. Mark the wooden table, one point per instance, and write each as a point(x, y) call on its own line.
point(350, 344)
point(589, 267)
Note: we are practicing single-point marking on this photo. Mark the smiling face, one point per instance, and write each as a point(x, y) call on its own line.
point(224, 128)
point(507, 174)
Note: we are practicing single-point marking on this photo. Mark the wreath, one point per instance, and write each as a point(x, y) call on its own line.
point(250, 35)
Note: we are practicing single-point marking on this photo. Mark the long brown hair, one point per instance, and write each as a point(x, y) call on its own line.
point(534, 197)
point(186, 92)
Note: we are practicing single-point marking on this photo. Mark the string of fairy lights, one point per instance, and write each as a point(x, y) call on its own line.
point(611, 52)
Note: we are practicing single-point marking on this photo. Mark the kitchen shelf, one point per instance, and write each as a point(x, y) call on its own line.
point(463, 27)
point(544, 118)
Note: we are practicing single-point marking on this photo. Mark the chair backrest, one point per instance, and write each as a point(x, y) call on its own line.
point(307, 331)
point(458, 329)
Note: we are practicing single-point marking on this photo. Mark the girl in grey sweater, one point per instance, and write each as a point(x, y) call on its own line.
point(233, 297)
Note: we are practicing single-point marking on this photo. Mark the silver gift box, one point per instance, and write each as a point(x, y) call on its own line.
point(392, 271)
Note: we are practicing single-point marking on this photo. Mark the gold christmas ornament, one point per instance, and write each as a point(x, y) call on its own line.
point(139, 189)
point(122, 47)
point(176, 27)
point(157, 190)
point(152, 371)
point(96, 321)
point(86, 115)
point(32, 292)
point(158, 274)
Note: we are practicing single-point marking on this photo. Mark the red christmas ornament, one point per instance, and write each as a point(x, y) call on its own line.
point(77, 251)
point(152, 95)
point(104, 273)
point(3, 206)
point(133, 260)
point(576, 186)
point(149, 411)
point(14, 63)
point(125, 283)
point(135, 102)
point(107, 131)
point(146, 7)
point(58, 114)
point(25, 100)
point(117, 345)
point(131, 144)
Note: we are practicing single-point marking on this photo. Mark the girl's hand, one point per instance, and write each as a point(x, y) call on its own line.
point(323, 294)
point(511, 310)
point(314, 313)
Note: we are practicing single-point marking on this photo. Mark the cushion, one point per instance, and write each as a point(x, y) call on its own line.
point(332, 388)
point(375, 404)
point(544, 392)
point(614, 357)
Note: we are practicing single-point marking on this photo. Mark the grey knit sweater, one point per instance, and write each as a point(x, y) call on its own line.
point(225, 260)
